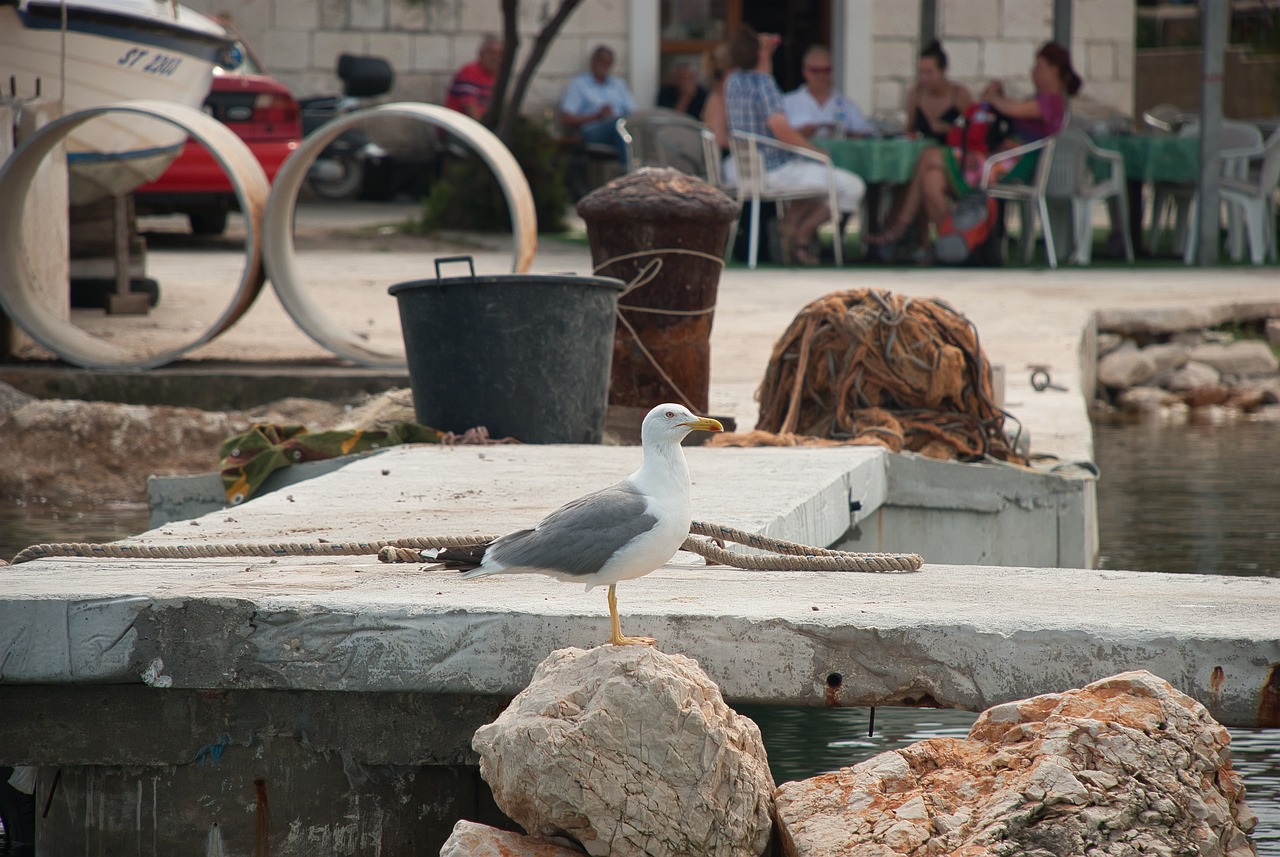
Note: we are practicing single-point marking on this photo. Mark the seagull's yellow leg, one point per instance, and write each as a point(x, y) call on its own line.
point(615, 635)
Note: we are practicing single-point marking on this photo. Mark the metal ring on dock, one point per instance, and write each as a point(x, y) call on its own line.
point(22, 301)
point(281, 259)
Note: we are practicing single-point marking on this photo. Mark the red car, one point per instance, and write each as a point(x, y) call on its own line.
point(264, 114)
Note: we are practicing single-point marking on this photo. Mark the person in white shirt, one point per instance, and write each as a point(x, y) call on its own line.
point(817, 109)
point(594, 100)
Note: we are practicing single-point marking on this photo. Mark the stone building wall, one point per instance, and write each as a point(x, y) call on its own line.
point(426, 42)
point(986, 39)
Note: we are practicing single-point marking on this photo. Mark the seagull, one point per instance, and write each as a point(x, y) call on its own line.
point(617, 533)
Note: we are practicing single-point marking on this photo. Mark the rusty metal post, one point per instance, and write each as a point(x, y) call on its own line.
point(663, 231)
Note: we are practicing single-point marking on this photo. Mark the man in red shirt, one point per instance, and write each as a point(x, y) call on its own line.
point(469, 93)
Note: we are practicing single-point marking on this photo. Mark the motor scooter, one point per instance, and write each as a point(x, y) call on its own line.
point(339, 170)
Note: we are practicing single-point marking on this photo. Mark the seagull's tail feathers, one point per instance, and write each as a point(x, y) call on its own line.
point(465, 558)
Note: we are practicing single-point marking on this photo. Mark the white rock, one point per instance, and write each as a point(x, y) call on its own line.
point(1144, 399)
point(1126, 367)
point(469, 839)
point(630, 751)
point(1194, 374)
point(1167, 355)
point(1247, 358)
point(1127, 765)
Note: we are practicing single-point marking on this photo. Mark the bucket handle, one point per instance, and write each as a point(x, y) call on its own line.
point(445, 260)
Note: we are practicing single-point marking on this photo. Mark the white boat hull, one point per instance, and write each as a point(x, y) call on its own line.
point(111, 51)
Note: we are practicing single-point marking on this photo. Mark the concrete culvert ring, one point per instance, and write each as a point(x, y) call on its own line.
point(281, 258)
point(18, 293)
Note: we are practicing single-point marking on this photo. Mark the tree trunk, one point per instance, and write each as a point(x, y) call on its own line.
point(511, 111)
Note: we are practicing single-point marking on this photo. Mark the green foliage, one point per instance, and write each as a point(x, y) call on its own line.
point(467, 195)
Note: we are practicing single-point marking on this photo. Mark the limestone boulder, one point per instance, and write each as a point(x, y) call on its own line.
point(1125, 367)
point(469, 839)
point(630, 751)
point(1125, 766)
point(1167, 356)
point(1146, 399)
point(1247, 358)
point(1192, 375)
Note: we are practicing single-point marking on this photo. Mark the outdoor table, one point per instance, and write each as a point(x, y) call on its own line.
point(1152, 158)
point(878, 161)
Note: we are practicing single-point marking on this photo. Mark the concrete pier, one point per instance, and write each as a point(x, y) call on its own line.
point(328, 703)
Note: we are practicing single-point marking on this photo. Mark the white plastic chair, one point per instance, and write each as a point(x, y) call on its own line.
point(659, 137)
point(1242, 136)
point(1253, 190)
point(1072, 180)
point(1026, 194)
point(749, 161)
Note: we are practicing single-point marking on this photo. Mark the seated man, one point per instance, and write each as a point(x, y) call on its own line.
point(473, 85)
point(817, 109)
point(594, 100)
point(754, 105)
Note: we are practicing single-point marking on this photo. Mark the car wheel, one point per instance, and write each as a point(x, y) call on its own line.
point(208, 223)
point(345, 186)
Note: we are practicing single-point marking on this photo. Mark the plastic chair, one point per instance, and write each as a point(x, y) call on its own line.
point(1071, 179)
point(749, 160)
point(1181, 196)
point(659, 137)
point(1253, 190)
point(1026, 194)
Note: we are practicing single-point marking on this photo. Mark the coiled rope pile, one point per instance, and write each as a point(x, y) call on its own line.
point(785, 555)
point(868, 366)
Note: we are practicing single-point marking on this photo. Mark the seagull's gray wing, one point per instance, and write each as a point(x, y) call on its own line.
point(581, 536)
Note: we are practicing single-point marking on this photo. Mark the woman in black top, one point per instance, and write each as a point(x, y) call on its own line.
point(934, 102)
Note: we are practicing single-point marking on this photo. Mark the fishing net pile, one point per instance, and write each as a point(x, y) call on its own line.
point(870, 367)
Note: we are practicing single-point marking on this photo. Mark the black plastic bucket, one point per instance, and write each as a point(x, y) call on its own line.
point(524, 355)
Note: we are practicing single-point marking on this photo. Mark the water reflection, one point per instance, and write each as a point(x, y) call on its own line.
point(1189, 498)
point(805, 742)
point(25, 524)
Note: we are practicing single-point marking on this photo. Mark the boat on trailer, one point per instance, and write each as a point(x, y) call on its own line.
point(87, 53)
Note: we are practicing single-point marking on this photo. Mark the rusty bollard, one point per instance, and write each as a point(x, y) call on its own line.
point(662, 231)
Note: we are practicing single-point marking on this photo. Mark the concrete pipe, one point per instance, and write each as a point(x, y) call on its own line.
point(281, 259)
point(18, 294)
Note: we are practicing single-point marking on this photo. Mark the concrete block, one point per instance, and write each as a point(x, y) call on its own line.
point(334, 14)
point(888, 95)
point(295, 14)
point(288, 50)
point(368, 15)
point(895, 54)
point(1011, 62)
point(278, 797)
point(252, 18)
point(1024, 19)
point(602, 20)
point(395, 48)
point(964, 58)
point(976, 18)
point(327, 47)
point(895, 18)
point(409, 17)
point(434, 52)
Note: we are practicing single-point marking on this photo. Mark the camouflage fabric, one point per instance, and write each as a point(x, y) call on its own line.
point(248, 459)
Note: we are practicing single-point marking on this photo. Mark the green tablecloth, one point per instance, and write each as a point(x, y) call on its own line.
point(1156, 157)
point(889, 160)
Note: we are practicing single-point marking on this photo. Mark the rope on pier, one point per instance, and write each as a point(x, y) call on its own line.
point(781, 555)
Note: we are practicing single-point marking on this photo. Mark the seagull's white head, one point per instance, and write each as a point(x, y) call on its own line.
point(670, 423)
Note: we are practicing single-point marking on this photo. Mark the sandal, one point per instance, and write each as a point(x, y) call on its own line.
point(889, 236)
point(804, 256)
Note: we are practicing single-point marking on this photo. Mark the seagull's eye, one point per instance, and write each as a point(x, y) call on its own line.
point(671, 415)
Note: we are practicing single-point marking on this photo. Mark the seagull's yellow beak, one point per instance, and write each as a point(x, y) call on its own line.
point(704, 424)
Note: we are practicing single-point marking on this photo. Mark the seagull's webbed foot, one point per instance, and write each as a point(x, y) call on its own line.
point(615, 634)
point(619, 640)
